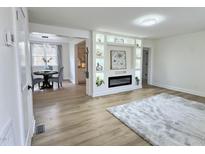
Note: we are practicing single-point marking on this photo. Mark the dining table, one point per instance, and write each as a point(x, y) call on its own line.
point(46, 75)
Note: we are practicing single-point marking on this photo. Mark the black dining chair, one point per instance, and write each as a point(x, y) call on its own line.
point(50, 67)
point(58, 79)
point(36, 81)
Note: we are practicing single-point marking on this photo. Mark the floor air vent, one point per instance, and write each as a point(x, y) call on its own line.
point(40, 129)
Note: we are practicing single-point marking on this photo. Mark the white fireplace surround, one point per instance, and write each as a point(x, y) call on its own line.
point(130, 50)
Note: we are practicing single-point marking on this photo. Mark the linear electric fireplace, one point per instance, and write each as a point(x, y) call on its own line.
point(116, 81)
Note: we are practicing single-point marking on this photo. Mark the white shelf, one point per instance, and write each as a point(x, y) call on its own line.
point(100, 57)
point(120, 44)
point(100, 43)
point(128, 42)
point(100, 71)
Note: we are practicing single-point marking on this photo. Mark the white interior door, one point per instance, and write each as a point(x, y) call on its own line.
point(25, 72)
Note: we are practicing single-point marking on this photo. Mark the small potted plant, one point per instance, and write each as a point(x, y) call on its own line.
point(137, 80)
point(99, 81)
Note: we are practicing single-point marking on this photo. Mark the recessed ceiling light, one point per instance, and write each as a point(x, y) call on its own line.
point(149, 20)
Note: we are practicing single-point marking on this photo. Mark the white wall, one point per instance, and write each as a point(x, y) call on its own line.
point(8, 81)
point(65, 60)
point(70, 32)
point(179, 63)
point(71, 60)
point(148, 43)
point(59, 30)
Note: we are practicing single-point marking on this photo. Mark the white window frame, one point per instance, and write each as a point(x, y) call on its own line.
point(45, 54)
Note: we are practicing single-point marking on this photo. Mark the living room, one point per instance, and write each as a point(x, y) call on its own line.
point(131, 76)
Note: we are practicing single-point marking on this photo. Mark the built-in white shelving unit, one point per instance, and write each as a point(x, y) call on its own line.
point(102, 42)
point(138, 62)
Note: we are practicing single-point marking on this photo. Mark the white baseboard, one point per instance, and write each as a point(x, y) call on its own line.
point(7, 137)
point(72, 81)
point(30, 133)
point(114, 91)
point(34, 127)
point(189, 91)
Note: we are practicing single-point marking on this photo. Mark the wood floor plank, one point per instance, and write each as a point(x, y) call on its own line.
point(72, 118)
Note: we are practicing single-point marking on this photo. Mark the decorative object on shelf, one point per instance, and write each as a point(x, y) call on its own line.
point(99, 81)
point(98, 53)
point(137, 80)
point(138, 43)
point(129, 41)
point(118, 60)
point(138, 46)
point(99, 40)
point(119, 40)
point(99, 67)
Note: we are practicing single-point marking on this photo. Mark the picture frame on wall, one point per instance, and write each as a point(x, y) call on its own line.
point(118, 60)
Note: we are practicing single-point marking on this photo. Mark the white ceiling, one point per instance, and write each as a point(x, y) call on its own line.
point(120, 20)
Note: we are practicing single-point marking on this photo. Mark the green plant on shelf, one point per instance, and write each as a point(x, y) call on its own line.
point(99, 81)
point(137, 80)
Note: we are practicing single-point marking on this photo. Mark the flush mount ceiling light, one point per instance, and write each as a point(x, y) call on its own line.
point(149, 20)
point(43, 35)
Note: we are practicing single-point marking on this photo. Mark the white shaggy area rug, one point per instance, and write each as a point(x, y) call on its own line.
point(164, 120)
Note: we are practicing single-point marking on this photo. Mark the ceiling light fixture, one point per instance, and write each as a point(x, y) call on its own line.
point(43, 35)
point(149, 20)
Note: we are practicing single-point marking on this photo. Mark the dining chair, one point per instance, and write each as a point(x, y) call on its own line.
point(50, 67)
point(36, 81)
point(58, 79)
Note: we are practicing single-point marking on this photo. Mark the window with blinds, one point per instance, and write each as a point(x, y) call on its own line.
point(44, 55)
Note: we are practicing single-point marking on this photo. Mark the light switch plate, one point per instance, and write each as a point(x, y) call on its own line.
point(9, 39)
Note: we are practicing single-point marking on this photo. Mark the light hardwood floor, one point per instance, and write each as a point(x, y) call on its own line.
point(72, 118)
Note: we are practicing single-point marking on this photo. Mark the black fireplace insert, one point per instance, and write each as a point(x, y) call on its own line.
point(116, 81)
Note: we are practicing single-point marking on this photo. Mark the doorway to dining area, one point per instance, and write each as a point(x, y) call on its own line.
point(57, 60)
point(46, 62)
point(58, 68)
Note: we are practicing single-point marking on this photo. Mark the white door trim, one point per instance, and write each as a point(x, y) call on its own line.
point(25, 137)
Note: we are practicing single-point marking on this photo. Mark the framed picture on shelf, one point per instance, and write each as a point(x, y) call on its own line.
point(118, 60)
